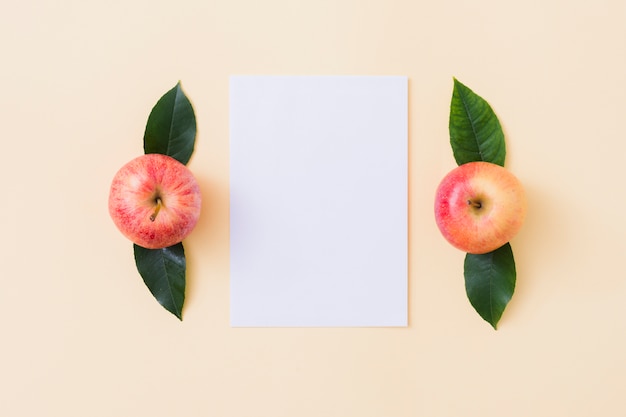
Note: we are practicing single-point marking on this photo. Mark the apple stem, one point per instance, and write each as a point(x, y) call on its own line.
point(476, 204)
point(156, 210)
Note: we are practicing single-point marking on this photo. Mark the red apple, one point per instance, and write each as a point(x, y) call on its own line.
point(479, 206)
point(154, 201)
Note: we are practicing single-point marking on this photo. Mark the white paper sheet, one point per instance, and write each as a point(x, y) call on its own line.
point(318, 208)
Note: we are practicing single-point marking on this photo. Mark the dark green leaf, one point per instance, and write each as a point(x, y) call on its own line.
point(490, 282)
point(475, 132)
point(171, 127)
point(163, 271)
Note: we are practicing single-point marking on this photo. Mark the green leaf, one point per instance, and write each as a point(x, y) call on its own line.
point(490, 282)
point(171, 127)
point(163, 271)
point(475, 132)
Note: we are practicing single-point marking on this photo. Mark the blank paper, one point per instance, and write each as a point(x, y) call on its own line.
point(318, 201)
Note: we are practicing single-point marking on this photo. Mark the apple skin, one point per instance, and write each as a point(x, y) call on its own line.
point(154, 201)
point(479, 206)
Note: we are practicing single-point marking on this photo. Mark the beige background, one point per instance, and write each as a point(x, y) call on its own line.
point(82, 336)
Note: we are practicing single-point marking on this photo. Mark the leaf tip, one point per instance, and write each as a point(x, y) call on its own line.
point(177, 89)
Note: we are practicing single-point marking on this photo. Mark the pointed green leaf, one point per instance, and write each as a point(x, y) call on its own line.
point(171, 126)
point(163, 271)
point(475, 132)
point(490, 282)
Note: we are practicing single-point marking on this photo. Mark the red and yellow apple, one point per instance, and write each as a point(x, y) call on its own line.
point(479, 206)
point(154, 201)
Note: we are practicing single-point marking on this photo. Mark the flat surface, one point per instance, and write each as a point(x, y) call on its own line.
point(81, 334)
point(318, 201)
